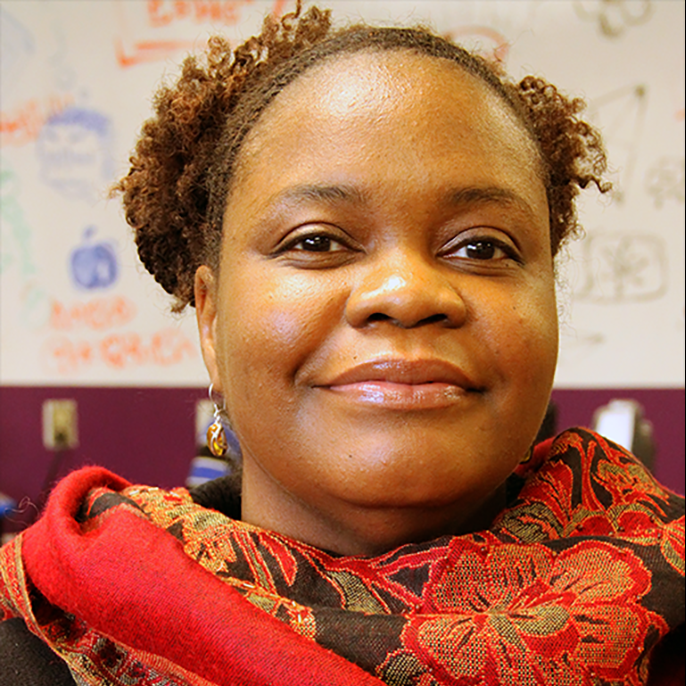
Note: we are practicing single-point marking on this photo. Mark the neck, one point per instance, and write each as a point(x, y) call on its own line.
point(359, 531)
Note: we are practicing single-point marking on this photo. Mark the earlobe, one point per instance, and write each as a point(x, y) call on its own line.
point(205, 289)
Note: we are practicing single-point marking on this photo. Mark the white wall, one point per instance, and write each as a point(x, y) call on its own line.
point(101, 320)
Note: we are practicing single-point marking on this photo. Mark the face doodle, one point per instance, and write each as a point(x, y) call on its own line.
point(74, 153)
point(383, 325)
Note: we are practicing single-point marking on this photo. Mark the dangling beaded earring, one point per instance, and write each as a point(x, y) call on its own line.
point(216, 438)
point(528, 456)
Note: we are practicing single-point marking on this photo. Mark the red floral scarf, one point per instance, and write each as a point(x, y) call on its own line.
point(580, 581)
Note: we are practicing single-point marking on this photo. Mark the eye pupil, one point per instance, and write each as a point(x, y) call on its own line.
point(481, 250)
point(316, 243)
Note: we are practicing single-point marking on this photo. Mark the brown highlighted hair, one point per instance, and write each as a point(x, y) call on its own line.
point(182, 167)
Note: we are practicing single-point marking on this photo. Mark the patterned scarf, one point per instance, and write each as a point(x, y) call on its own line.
point(579, 581)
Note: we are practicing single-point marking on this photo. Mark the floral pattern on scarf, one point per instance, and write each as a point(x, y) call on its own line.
point(575, 583)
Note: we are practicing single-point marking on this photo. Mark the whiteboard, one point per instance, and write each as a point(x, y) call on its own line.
point(76, 307)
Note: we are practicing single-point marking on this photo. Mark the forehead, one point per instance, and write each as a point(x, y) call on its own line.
point(352, 85)
point(427, 116)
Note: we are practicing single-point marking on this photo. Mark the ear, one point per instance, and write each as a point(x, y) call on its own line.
point(205, 288)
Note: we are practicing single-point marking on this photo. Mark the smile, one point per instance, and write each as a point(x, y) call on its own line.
point(403, 384)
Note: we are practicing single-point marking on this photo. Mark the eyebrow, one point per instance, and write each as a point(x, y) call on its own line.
point(320, 193)
point(489, 194)
point(348, 193)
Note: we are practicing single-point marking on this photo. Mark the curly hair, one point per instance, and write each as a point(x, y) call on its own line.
point(183, 164)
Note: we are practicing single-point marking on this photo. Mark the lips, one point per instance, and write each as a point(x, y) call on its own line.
point(403, 384)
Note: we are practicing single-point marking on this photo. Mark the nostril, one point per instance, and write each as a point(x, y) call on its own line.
point(434, 319)
point(423, 298)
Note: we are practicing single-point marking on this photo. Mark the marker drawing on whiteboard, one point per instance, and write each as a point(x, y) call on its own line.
point(25, 122)
point(35, 306)
point(15, 233)
point(93, 265)
point(484, 40)
point(67, 356)
point(97, 314)
point(73, 151)
point(63, 74)
point(166, 348)
point(16, 47)
point(158, 29)
point(16, 256)
point(164, 12)
point(620, 115)
point(623, 268)
point(614, 17)
point(665, 180)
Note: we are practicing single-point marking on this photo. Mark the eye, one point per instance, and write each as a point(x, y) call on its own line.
point(316, 248)
point(482, 249)
point(317, 243)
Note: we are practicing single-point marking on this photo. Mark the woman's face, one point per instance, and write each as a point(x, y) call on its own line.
point(383, 328)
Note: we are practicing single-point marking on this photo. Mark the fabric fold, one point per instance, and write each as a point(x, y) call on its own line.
point(131, 581)
point(579, 579)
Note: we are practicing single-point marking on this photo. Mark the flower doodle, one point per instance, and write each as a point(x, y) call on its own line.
point(614, 16)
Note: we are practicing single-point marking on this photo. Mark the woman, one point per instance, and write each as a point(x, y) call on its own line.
point(366, 222)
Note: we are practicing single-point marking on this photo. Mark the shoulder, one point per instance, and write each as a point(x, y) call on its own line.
point(580, 484)
point(602, 474)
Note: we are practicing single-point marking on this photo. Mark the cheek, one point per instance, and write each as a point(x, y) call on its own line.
point(534, 348)
point(269, 324)
point(522, 334)
point(519, 340)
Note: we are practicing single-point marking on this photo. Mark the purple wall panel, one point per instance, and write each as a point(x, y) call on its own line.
point(663, 407)
point(147, 435)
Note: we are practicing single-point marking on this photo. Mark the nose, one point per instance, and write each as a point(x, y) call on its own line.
point(406, 290)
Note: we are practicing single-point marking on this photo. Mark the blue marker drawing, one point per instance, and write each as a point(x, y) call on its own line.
point(73, 150)
point(16, 46)
point(93, 265)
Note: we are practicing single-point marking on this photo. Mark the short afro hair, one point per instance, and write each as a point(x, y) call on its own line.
point(182, 167)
